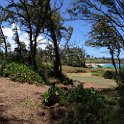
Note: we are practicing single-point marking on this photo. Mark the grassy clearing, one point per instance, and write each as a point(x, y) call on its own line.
point(70, 69)
point(84, 75)
point(99, 82)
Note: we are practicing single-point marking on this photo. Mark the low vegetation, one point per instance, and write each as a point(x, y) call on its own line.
point(70, 69)
point(82, 105)
point(65, 61)
point(21, 73)
point(109, 74)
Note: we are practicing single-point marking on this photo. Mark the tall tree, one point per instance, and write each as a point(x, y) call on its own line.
point(104, 34)
point(3, 17)
point(55, 27)
point(17, 40)
point(93, 10)
point(31, 16)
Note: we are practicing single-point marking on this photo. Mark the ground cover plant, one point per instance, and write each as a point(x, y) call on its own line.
point(70, 69)
point(21, 73)
point(93, 81)
point(109, 74)
point(82, 105)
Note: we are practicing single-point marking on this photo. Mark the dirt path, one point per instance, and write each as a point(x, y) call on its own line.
point(21, 103)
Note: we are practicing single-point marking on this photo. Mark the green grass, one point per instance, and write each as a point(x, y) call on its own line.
point(70, 69)
point(88, 78)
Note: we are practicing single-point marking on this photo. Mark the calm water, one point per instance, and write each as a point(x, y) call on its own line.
point(107, 65)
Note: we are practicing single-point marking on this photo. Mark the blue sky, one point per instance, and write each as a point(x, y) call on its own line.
point(80, 32)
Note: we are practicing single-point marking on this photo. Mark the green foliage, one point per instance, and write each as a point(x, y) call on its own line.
point(79, 94)
point(109, 74)
point(45, 69)
point(22, 73)
point(120, 79)
point(99, 72)
point(84, 106)
point(49, 97)
point(74, 56)
point(65, 80)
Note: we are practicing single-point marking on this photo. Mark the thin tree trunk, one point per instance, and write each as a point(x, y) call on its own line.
point(57, 61)
point(113, 61)
point(19, 44)
point(30, 57)
point(119, 62)
point(34, 54)
point(4, 41)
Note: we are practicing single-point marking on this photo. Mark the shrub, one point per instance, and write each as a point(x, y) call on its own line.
point(65, 80)
point(84, 106)
point(109, 74)
point(98, 72)
point(120, 79)
point(21, 73)
point(1, 72)
point(49, 97)
point(46, 70)
point(99, 66)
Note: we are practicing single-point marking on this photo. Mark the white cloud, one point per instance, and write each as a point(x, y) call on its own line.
point(8, 32)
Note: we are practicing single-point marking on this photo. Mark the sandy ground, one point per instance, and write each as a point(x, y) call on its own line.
point(21, 103)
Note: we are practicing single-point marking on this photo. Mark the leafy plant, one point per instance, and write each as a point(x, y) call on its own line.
point(109, 74)
point(98, 72)
point(22, 73)
point(65, 80)
point(120, 79)
point(84, 106)
point(49, 97)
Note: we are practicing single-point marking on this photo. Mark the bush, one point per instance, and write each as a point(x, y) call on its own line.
point(46, 70)
point(1, 72)
point(84, 106)
point(21, 73)
point(120, 79)
point(109, 74)
point(49, 97)
point(65, 80)
point(98, 72)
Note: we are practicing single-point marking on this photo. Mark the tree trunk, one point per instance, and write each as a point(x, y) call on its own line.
point(113, 61)
point(30, 57)
point(4, 41)
point(119, 62)
point(57, 61)
point(34, 54)
point(19, 45)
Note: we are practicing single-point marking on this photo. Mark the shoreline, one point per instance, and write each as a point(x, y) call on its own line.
point(102, 64)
